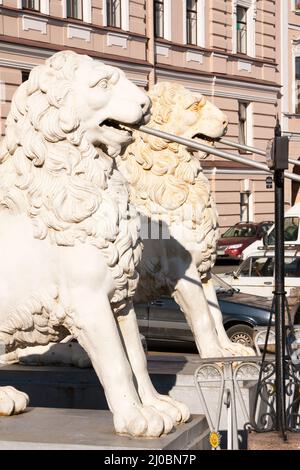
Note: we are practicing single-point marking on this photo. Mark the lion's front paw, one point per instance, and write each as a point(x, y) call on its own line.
point(142, 421)
point(12, 401)
point(178, 411)
point(238, 349)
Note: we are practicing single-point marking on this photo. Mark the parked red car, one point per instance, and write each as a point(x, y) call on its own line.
point(237, 238)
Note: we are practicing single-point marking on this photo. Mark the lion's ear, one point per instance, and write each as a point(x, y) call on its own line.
point(39, 79)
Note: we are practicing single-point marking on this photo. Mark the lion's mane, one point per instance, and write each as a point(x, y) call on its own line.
point(51, 172)
point(167, 181)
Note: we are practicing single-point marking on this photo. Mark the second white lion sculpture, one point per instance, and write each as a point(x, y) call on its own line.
point(168, 188)
point(69, 245)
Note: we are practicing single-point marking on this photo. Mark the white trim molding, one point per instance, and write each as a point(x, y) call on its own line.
point(194, 56)
point(34, 23)
point(168, 19)
point(295, 54)
point(115, 39)
point(162, 49)
point(284, 64)
point(124, 14)
point(45, 7)
point(201, 23)
point(251, 20)
point(86, 10)
point(249, 124)
point(244, 65)
point(79, 32)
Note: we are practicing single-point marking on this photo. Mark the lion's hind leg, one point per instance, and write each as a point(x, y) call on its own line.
point(173, 411)
point(95, 327)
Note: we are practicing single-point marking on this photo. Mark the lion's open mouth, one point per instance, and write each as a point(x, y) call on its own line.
point(118, 126)
point(205, 138)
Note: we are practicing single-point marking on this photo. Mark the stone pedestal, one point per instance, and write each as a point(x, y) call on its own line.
point(72, 387)
point(54, 428)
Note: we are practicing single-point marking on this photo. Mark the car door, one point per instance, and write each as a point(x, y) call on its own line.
point(292, 272)
point(167, 322)
point(255, 276)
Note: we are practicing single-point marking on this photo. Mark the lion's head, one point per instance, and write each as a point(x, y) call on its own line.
point(165, 173)
point(64, 126)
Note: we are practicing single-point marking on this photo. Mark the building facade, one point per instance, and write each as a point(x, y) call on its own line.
point(226, 49)
point(289, 62)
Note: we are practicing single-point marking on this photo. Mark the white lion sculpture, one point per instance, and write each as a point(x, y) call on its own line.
point(69, 245)
point(167, 186)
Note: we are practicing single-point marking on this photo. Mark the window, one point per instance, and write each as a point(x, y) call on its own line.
point(291, 229)
point(245, 268)
point(25, 75)
point(191, 21)
point(242, 114)
point(159, 18)
point(114, 15)
point(245, 206)
point(297, 85)
point(243, 26)
point(74, 9)
point(31, 5)
point(241, 29)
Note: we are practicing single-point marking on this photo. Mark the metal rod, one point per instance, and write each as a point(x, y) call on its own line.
point(212, 150)
point(279, 292)
point(243, 147)
point(279, 303)
point(253, 150)
point(294, 162)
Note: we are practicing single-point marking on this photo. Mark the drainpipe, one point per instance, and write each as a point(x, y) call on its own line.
point(150, 43)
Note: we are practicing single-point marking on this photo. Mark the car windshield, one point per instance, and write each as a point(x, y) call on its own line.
point(222, 286)
point(291, 229)
point(240, 231)
point(264, 266)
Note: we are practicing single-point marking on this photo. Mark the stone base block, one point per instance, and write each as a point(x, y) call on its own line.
point(59, 428)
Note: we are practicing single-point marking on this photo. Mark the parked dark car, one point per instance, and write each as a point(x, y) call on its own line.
point(164, 325)
point(237, 238)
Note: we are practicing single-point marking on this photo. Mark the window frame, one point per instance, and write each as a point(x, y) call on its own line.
point(295, 8)
point(124, 15)
point(241, 43)
point(296, 79)
point(201, 23)
point(189, 18)
point(248, 125)
point(70, 6)
point(251, 6)
point(159, 34)
point(86, 11)
point(26, 7)
point(109, 9)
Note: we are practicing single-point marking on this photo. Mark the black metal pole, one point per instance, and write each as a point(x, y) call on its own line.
point(279, 297)
point(279, 302)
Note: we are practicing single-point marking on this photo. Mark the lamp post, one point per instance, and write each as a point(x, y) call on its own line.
point(277, 160)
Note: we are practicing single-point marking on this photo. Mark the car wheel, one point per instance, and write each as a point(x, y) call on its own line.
point(242, 334)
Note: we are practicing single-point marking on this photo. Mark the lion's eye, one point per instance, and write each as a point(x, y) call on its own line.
point(103, 83)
